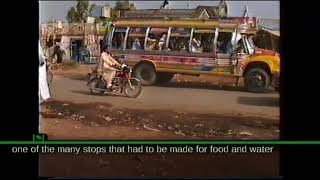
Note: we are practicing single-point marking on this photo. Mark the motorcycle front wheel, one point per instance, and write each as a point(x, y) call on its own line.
point(95, 85)
point(133, 88)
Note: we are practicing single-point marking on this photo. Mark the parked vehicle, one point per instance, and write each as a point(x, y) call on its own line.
point(158, 49)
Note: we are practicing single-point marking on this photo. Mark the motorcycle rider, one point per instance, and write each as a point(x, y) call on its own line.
point(108, 66)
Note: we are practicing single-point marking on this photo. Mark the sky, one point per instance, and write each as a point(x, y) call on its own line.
point(57, 10)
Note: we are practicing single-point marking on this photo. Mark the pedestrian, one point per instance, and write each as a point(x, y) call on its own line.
point(44, 91)
point(59, 51)
point(86, 54)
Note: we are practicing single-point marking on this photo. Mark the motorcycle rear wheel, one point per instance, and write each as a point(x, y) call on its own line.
point(135, 89)
point(97, 83)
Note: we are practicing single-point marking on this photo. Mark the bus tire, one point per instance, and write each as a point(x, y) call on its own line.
point(163, 77)
point(257, 80)
point(146, 73)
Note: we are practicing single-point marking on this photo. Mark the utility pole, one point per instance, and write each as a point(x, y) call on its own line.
point(53, 32)
point(84, 33)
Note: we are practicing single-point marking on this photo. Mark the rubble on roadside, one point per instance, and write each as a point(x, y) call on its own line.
point(178, 123)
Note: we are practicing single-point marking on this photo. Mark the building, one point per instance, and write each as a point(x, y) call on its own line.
point(201, 12)
point(74, 35)
point(102, 13)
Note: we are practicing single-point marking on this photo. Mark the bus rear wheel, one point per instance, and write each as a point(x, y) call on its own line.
point(257, 80)
point(146, 73)
point(163, 77)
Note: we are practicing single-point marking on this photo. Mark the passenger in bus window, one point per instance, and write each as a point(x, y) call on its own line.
point(121, 41)
point(228, 48)
point(240, 47)
point(224, 42)
point(179, 44)
point(117, 42)
point(219, 45)
point(151, 42)
point(162, 41)
point(136, 44)
point(184, 48)
point(196, 44)
point(208, 42)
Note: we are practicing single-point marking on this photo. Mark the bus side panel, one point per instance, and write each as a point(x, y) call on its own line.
point(180, 64)
point(193, 64)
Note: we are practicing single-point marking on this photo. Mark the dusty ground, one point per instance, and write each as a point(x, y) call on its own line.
point(156, 165)
point(102, 121)
point(186, 108)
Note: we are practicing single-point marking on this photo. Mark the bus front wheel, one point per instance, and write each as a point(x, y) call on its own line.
point(257, 80)
point(146, 73)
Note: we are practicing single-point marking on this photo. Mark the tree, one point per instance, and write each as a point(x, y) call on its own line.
point(121, 5)
point(80, 12)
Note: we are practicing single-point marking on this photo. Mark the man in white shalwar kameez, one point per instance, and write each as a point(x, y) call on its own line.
point(44, 92)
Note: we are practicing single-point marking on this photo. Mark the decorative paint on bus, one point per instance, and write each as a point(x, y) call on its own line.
point(199, 64)
point(185, 62)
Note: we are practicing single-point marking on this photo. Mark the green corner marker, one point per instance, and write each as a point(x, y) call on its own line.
point(38, 138)
point(41, 139)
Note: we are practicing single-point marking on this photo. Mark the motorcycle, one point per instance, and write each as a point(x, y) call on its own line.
point(122, 82)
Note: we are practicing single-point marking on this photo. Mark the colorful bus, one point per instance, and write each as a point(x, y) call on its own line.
point(159, 48)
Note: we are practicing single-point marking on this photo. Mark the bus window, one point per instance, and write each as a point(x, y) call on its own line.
point(118, 38)
point(136, 38)
point(156, 39)
point(224, 44)
point(179, 39)
point(203, 40)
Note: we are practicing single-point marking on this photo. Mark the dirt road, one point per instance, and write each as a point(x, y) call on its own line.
point(185, 108)
point(176, 110)
point(178, 97)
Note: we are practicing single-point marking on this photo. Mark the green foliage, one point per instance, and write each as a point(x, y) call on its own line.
point(80, 12)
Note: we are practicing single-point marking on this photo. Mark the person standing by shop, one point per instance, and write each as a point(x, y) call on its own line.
point(86, 54)
point(59, 51)
point(78, 54)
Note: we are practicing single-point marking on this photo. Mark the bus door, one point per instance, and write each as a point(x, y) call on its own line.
point(240, 52)
point(225, 47)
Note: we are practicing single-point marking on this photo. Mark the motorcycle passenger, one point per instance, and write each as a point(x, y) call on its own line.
point(107, 67)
